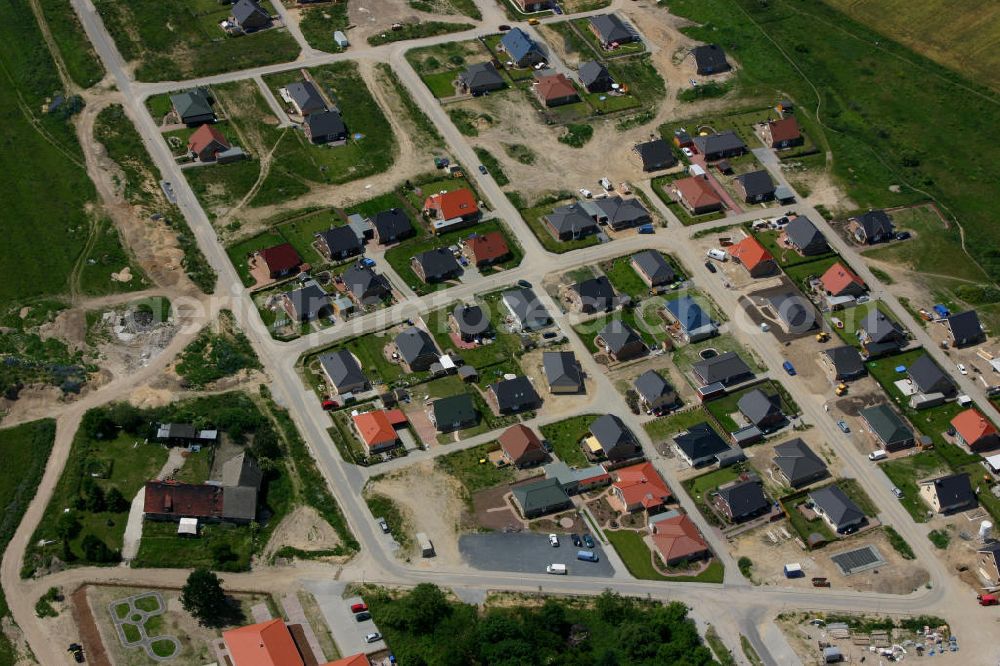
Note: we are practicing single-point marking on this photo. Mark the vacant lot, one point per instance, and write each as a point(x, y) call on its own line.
point(564, 438)
point(182, 40)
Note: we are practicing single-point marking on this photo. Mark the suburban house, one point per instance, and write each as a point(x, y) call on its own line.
point(539, 498)
point(948, 494)
point(837, 509)
point(988, 563)
point(416, 349)
point(880, 335)
point(593, 295)
point(872, 227)
point(481, 78)
point(620, 213)
point(744, 500)
point(652, 268)
point(696, 194)
point(343, 372)
point(929, 379)
point(720, 145)
point(486, 249)
point(377, 429)
point(515, 395)
point(840, 281)
point(726, 368)
point(436, 265)
point(803, 235)
point(784, 133)
point(184, 434)
point(365, 285)
point(526, 311)
point(577, 480)
point(249, 16)
point(965, 329)
point(798, 464)
point(620, 342)
point(307, 303)
point(654, 391)
point(843, 363)
point(562, 372)
point(640, 487)
point(521, 49)
point(754, 257)
point(338, 243)
point(234, 500)
point(206, 142)
point(760, 409)
point(655, 155)
point(570, 222)
point(390, 226)
point(975, 431)
point(193, 107)
point(554, 89)
point(451, 210)
point(888, 428)
point(795, 312)
point(611, 439)
point(455, 412)
point(694, 323)
point(275, 643)
point(280, 260)
point(595, 77)
point(700, 445)
point(470, 322)
point(710, 59)
point(755, 187)
point(306, 98)
point(325, 127)
point(521, 447)
point(611, 30)
point(678, 540)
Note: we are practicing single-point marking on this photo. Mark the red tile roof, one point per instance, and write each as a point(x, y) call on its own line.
point(281, 258)
point(678, 538)
point(183, 500)
point(750, 253)
point(265, 644)
point(642, 484)
point(838, 277)
point(784, 129)
point(519, 440)
point(205, 135)
point(555, 86)
point(697, 192)
point(488, 247)
point(396, 417)
point(360, 659)
point(972, 426)
point(375, 427)
point(457, 203)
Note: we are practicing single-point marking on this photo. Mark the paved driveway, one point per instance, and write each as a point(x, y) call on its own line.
point(348, 633)
point(528, 553)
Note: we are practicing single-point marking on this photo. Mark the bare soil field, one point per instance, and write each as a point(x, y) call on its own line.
point(303, 529)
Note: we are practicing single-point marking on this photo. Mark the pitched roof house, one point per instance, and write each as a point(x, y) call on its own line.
point(762, 410)
point(539, 498)
point(555, 90)
point(451, 210)
point(965, 329)
point(250, 16)
point(694, 322)
point(654, 391)
point(390, 226)
point(281, 260)
point(305, 97)
point(949, 494)
point(514, 395)
point(700, 445)
point(338, 243)
point(837, 509)
point(696, 194)
point(929, 378)
point(753, 256)
point(487, 249)
point(755, 186)
point(879, 334)
point(620, 342)
point(890, 431)
point(710, 59)
point(436, 265)
point(843, 362)
point(798, 464)
point(562, 372)
point(875, 226)
point(480, 78)
point(594, 76)
point(839, 280)
point(344, 372)
point(727, 368)
point(975, 431)
point(655, 155)
point(570, 222)
point(265, 644)
point(521, 447)
point(619, 213)
point(521, 49)
point(526, 311)
point(720, 145)
point(678, 540)
point(795, 312)
point(803, 235)
point(454, 412)
point(416, 348)
point(611, 30)
point(206, 142)
point(169, 500)
point(744, 500)
point(783, 133)
point(377, 429)
point(470, 321)
point(640, 487)
point(307, 303)
point(365, 285)
point(193, 107)
point(653, 268)
point(325, 127)
point(610, 438)
point(593, 295)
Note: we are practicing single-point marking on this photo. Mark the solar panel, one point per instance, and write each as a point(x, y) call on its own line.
point(856, 561)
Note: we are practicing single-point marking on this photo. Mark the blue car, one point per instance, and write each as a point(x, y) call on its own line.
point(588, 541)
point(843, 426)
point(789, 368)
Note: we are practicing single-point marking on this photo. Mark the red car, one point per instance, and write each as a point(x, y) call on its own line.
point(359, 607)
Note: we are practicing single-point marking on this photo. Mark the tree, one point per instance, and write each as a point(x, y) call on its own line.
point(97, 425)
point(116, 501)
point(223, 554)
point(68, 525)
point(96, 551)
point(93, 497)
point(427, 606)
point(265, 444)
point(202, 596)
point(127, 417)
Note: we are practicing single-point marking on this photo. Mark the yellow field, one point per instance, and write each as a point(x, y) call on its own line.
point(960, 34)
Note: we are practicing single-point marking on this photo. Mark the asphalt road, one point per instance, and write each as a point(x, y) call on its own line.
point(523, 552)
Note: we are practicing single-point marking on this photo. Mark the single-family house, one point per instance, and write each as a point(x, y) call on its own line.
point(975, 431)
point(965, 329)
point(577, 480)
point(280, 260)
point(619, 213)
point(888, 428)
point(487, 249)
point(250, 17)
point(307, 303)
point(611, 30)
point(526, 312)
point(391, 226)
point(720, 145)
point(640, 487)
point(171, 501)
point(798, 464)
point(879, 335)
point(451, 210)
point(652, 268)
point(654, 391)
point(269, 643)
point(694, 323)
point(306, 98)
point(184, 434)
point(754, 257)
point(595, 77)
point(755, 187)
point(726, 368)
point(593, 295)
point(795, 311)
point(343, 372)
point(365, 285)
point(710, 59)
point(470, 322)
point(515, 395)
point(416, 349)
point(872, 227)
point(743, 500)
point(521, 49)
point(655, 155)
point(678, 540)
point(761, 409)
point(700, 445)
point(803, 235)
point(377, 429)
point(206, 142)
point(554, 89)
point(621, 342)
point(539, 498)
point(570, 222)
point(193, 107)
point(611, 439)
point(843, 363)
point(325, 126)
point(839, 281)
point(928, 378)
point(949, 494)
point(436, 265)
point(521, 447)
point(988, 563)
point(338, 243)
point(532, 5)
point(837, 509)
point(481, 78)
point(455, 412)
point(696, 194)
point(783, 133)
point(562, 372)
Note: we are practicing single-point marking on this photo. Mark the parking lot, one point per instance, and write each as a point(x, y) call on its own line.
point(528, 553)
point(347, 631)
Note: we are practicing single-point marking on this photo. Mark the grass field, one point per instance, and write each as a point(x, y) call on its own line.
point(319, 23)
point(472, 474)
point(439, 65)
point(665, 427)
point(219, 351)
point(194, 46)
point(82, 63)
point(564, 438)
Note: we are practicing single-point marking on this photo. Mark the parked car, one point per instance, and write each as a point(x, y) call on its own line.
point(687, 152)
point(553, 541)
point(362, 616)
point(902, 235)
point(843, 426)
point(897, 492)
point(367, 263)
point(577, 541)
point(482, 169)
point(588, 541)
point(548, 335)
point(963, 369)
point(711, 267)
point(586, 193)
point(789, 368)
point(504, 27)
point(359, 607)
point(383, 525)
point(372, 637)
point(524, 284)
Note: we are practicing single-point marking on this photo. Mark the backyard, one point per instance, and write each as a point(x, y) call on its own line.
point(472, 472)
point(638, 560)
point(564, 437)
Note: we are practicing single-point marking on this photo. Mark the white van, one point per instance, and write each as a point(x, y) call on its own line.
point(718, 255)
point(606, 184)
point(558, 569)
point(878, 455)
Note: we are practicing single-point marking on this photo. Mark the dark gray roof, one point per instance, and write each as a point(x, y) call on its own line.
point(541, 496)
point(798, 462)
point(562, 369)
point(617, 334)
point(482, 75)
point(929, 378)
point(306, 96)
point(366, 285)
point(839, 508)
point(611, 432)
point(965, 327)
point(178, 430)
point(846, 360)
point(804, 235)
point(326, 124)
point(525, 305)
point(391, 223)
point(688, 313)
point(571, 219)
point(701, 441)
point(745, 498)
point(719, 143)
point(248, 10)
point(758, 406)
point(794, 309)
point(880, 328)
point(611, 28)
point(592, 71)
point(875, 223)
point(239, 502)
point(342, 368)
point(515, 393)
point(471, 319)
point(655, 266)
point(954, 492)
point(192, 103)
point(454, 409)
point(623, 212)
point(652, 386)
point(415, 342)
point(656, 154)
point(438, 263)
point(757, 183)
point(710, 57)
point(309, 301)
point(887, 425)
point(341, 239)
point(242, 470)
point(722, 368)
point(596, 293)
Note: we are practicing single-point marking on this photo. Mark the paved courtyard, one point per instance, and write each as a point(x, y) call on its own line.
point(528, 553)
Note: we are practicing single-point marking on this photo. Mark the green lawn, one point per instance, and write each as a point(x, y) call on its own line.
point(161, 547)
point(801, 273)
point(685, 357)
point(624, 278)
point(638, 560)
point(906, 472)
point(533, 216)
point(319, 23)
point(442, 84)
point(239, 252)
point(705, 483)
point(564, 438)
point(82, 63)
point(473, 474)
point(417, 31)
point(582, 26)
point(588, 330)
point(805, 527)
point(665, 427)
point(784, 255)
point(659, 185)
point(721, 408)
point(505, 346)
point(852, 317)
